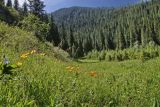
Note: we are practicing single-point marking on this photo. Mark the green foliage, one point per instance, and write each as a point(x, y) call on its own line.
point(9, 3)
point(25, 9)
point(143, 53)
point(37, 7)
point(35, 25)
point(15, 14)
point(16, 5)
point(109, 28)
point(16, 40)
point(53, 35)
point(102, 55)
point(7, 69)
point(9, 15)
point(93, 55)
point(2, 2)
point(45, 81)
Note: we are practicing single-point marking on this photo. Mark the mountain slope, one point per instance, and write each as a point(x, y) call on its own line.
point(14, 41)
point(8, 15)
point(119, 28)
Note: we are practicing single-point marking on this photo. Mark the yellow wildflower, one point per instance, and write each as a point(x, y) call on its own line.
point(19, 63)
point(68, 67)
point(78, 68)
point(24, 56)
point(72, 68)
point(33, 51)
point(27, 53)
point(42, 54)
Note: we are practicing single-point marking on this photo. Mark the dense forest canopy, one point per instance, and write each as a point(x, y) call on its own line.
point(79, 30)
point(111, 28)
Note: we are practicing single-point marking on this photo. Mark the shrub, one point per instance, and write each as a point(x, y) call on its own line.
point(34, 24)
point(93, 55)
point(142, 53)
point(102, 55)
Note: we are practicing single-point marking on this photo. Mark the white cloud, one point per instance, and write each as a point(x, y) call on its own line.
point(21, 2)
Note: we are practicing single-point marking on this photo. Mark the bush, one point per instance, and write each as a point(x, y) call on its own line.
point(9, 15)
point(93, 55)
point(102, 55)
point(142, 53)
point(33, 23)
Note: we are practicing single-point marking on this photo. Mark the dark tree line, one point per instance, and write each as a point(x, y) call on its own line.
point(100, 29)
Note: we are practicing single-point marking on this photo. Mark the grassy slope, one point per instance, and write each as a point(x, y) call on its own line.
point(45, 81)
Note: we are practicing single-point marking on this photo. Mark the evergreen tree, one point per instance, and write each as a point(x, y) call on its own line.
point(64, 44)
point(80, 52)
point(2, 2)
point(71, 38)
point(54, 34)
point(122, 42)
point(46, 18)
point(36, 7)
point(102, 40)
point(9, 3)
point(73, 51)
point(25, 8)
point(143, 42)
point(16, 4)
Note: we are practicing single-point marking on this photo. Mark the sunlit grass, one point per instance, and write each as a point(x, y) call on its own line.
point(44, 81)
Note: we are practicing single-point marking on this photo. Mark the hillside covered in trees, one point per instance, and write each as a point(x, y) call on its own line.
point(100, 29)
point(80, 30)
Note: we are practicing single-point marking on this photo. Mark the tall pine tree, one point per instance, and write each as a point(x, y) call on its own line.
point(2, 2)
point(36, 7)
point(16, 4)
point(25, 8)
point(71, 38)
point(9, 3)
point(64, 43)
point(54, 34)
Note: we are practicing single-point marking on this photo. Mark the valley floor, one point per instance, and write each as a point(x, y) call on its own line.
point(43, 81)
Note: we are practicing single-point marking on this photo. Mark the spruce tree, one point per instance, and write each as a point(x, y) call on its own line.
point(80, 52)
point(64, 44)
point(71, 38)
point(9, 3)
point(142, 38)
point(36, 7)
point(16, 4)
point(102, 40)
point(53, 33)
point(2, 2)
point(25, 8)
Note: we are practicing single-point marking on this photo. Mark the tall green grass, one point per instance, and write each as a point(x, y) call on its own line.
point(42, 81)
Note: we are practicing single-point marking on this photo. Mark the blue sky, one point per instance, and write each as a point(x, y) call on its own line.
point(52, 5)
